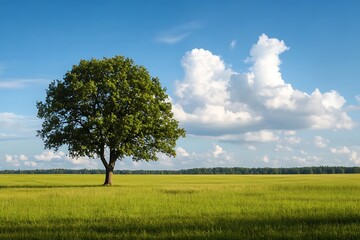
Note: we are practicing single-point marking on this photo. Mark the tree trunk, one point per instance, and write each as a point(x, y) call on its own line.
point(108, 177)
point(109, 167)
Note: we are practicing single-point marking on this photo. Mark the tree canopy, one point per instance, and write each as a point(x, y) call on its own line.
point(110, 109)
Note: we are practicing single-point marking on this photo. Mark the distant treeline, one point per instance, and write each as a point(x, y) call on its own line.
point(218, 170)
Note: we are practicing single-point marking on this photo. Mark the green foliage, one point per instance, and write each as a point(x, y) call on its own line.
point(180, 207)
point(109, 104)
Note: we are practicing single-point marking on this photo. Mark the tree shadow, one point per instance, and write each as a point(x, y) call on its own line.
point(182, 228)
point(58, 186)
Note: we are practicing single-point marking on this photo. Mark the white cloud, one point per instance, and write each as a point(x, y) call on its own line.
point(11, 160)
point(265, 56)
point(357, 97)
point(214, 157)
point(261, 136)
point(13, 126)
point(265, 159)
point(205, 79)
point(22, 157)
point(177, 33)
point(214, 100)
point(301, 160)
point(11, 120)
point(83, 162)
point(289, 133)
point(341, 150)
point(303, 152)
point(16, 160)
point(182, 152)
point(252, 148)
point(233, 44)
point(308, 160)
point(217, 151)
point(7, 136)
point(293, 140)
point(172, 39)
point(20, 83)
point(47, 156)
point(352, 155)
point(280, 147)
point(320, 142)
point(30, 164)
point(51, 159)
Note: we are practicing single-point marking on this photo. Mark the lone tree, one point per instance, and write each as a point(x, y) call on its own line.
point(109, 109)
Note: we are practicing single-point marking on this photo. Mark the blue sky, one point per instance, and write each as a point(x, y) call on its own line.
point(255, 83)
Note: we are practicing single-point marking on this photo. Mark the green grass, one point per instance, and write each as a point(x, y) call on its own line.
point(180, 207)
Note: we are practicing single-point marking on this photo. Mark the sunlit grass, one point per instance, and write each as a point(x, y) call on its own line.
point(180, 207)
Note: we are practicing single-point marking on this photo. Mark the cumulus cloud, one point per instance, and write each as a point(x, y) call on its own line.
point(320, 142)
point(18, 160)
point(341, 150)
point(47, 156)
point(12, 160)
point(352, 155)
point(205, 81)
point(261, 136)
point(217, 151)
point(182, 152)
point(214, 100)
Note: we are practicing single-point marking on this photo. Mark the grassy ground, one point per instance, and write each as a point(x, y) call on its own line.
point(180, 207)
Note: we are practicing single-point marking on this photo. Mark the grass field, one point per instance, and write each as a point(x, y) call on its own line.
point(180, 207)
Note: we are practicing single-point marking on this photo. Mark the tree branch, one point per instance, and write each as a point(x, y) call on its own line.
point(102, 157)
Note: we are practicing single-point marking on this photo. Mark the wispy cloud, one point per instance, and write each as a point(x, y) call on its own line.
point(172, 39)
point(177, 33)
point(47, 160)
point(20, 83)
point(233, 44)
point(14, 127)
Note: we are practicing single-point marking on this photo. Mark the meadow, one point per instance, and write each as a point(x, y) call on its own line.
point(180, 207)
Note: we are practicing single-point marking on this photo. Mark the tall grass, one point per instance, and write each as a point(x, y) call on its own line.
point(180, 207)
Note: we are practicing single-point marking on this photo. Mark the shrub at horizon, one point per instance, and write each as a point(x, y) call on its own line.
point(109, 106)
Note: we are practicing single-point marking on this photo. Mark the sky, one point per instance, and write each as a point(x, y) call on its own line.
point(254, 83)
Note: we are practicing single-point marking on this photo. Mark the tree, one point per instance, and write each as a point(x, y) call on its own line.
point(109, 109)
